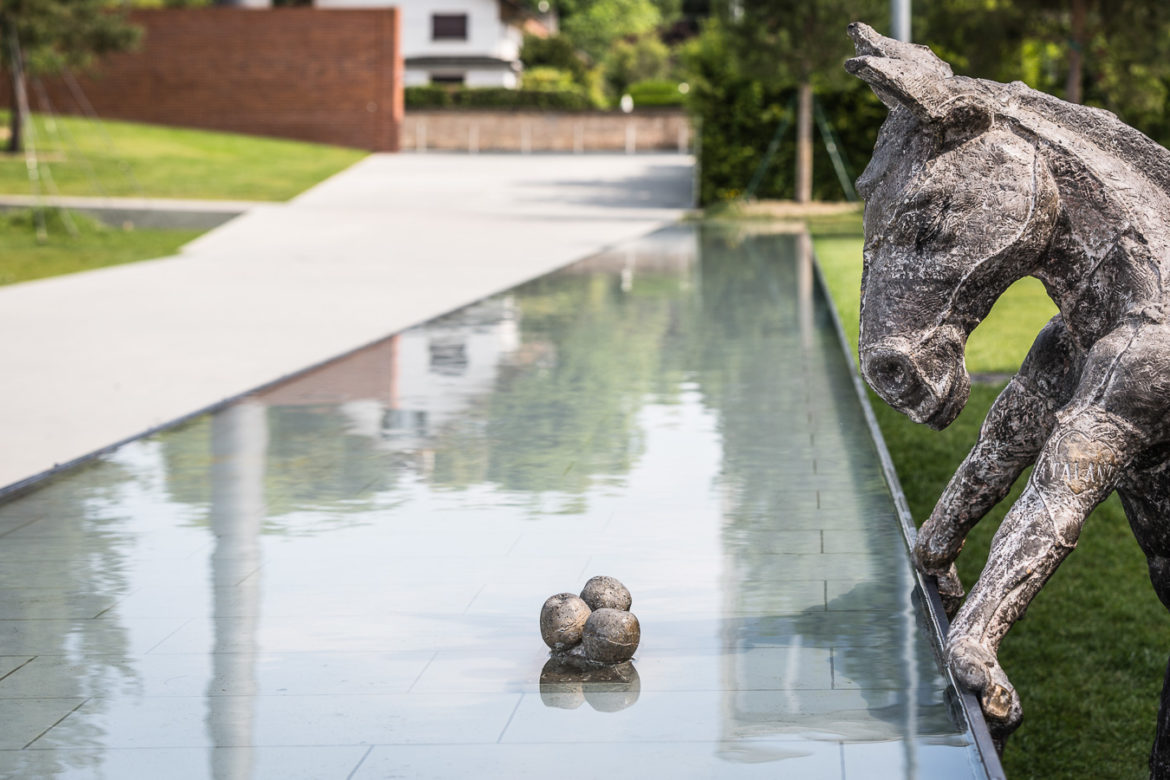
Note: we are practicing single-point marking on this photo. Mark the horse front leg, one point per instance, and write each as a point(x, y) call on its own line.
point(1077, 469)
point(1015, 429)
point(1011, 437)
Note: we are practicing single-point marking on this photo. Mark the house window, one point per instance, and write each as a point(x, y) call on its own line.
point(448, 78)
point(449, 27)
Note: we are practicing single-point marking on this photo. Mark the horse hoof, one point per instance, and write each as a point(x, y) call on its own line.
point(1001, 707)
point(997, 702)
point(976, 669)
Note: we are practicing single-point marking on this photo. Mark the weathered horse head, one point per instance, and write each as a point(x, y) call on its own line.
point(959, 205)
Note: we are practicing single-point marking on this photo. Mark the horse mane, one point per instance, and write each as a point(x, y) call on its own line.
point(1101, 128)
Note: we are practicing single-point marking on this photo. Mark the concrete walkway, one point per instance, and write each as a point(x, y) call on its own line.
point(93, 358)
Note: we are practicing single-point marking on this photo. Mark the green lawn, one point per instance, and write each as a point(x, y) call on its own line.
point(1089, 658)
point(130, 159)
point(23, 258)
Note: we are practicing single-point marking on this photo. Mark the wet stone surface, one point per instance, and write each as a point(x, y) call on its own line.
point(339, 577)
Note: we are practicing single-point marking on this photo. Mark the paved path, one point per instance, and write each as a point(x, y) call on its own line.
point(94, 358)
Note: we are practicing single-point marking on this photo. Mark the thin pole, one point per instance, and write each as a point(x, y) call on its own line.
point(91, 114)
point(50, 182)
point(30, 150)
point(900, 19)
point(67, 135)
point(773, 146)
point(804, 148)
point(844, 175)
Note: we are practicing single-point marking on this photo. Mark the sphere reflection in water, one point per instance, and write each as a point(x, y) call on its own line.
point(607, 689)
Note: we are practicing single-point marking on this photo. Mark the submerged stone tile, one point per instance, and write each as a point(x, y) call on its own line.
point(293, 763)
point(27, 719)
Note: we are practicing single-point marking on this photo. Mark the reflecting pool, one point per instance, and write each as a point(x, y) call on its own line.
point(340, 576)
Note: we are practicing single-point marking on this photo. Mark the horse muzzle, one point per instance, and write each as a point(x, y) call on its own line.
point(929, 386)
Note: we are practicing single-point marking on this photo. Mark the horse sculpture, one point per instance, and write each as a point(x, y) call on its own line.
point(973, 185)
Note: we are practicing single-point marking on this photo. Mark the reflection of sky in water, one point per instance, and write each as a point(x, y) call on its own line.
point(345, 571)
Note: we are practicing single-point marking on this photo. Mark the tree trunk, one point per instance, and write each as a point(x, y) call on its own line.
point(19, 96)
point(804, 142)
point(15, 117)
point(1076, 47)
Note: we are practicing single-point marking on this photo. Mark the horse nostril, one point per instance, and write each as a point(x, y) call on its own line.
point(892, 375)
point(889, 372)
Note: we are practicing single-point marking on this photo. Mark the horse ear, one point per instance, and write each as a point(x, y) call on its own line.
point(868, 42)
point(901, 83)
point(905, 74)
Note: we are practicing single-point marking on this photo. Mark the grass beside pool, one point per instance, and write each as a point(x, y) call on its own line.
point(22, 258)
point(1089, 657)
point(131, 159)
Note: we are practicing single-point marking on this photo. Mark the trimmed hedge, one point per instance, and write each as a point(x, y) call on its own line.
point(656, 94)
point(738, 119)
point(431, 97)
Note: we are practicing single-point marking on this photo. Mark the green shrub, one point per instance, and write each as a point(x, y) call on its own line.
point(432, 97)
point(656, 93)
point(547, 79)
point(427, 97)
point(501, 97)
point(628, 62)
point(556, 51)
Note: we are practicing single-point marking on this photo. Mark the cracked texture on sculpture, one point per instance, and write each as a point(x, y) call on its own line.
point(973, 185)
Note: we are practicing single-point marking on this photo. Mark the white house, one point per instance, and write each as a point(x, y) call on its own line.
point(471, 42)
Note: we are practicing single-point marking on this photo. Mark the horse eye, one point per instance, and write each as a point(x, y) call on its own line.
point(907, 224)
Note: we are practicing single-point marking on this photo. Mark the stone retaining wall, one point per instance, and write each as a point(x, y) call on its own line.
point(545, 131)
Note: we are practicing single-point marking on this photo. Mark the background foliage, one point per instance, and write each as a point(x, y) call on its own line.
point(741, 70)
point(739, 113)
point(569, 98)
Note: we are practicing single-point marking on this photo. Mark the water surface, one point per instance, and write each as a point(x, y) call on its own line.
point(341, 576)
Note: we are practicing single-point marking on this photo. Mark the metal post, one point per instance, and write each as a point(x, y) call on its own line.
point(900, 19)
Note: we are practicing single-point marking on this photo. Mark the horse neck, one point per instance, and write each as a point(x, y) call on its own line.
point(1109, 253)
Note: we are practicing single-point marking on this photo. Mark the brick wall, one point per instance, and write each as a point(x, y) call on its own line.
point(532, 131)
point(333, 76)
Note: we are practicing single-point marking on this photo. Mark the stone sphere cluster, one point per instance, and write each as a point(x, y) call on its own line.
point(595, 627)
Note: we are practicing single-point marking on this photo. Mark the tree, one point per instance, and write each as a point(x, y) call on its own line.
point(595, 26)
point(45, 36)
point(800, 42)
point(555, 51)
point(1111, 53)
point(628, 62)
